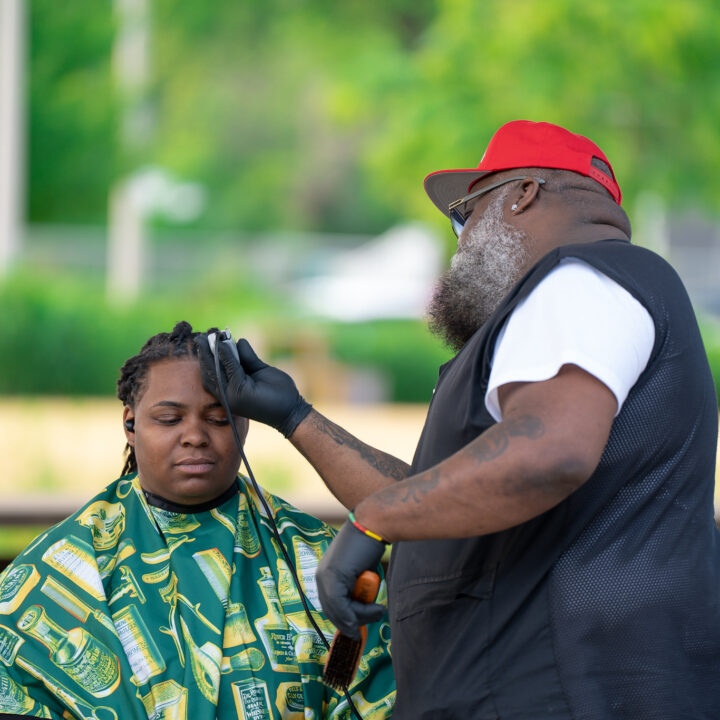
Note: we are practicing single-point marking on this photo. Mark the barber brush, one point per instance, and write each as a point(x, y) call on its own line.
point(344, 657)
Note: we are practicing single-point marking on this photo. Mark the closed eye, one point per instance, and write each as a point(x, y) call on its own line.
point(168, 420)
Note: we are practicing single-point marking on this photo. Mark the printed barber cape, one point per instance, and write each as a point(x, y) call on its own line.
point(126, 610)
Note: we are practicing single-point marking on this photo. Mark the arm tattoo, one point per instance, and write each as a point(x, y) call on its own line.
point(385, 464)
point(495, 440)
point(422, 485)
point(488, 446)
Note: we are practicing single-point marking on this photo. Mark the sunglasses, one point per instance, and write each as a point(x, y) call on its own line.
point(459, 217)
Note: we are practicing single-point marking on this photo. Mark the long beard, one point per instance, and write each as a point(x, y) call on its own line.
point(482, 272)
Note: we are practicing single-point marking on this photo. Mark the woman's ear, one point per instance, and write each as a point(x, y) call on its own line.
point(129, 425)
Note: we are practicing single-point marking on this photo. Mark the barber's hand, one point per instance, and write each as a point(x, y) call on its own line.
point(254, 389)
point(350, 552)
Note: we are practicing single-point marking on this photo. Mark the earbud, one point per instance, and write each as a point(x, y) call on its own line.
point(129, 425)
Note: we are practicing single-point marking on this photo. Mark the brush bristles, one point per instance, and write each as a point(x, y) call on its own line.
point(343, 660)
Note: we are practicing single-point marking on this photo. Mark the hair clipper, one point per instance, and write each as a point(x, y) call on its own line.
point(224, 337)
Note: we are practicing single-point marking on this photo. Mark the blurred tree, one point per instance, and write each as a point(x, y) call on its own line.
point(254, 99)
point(72, 111)
point(320, 115)
point(641, 78)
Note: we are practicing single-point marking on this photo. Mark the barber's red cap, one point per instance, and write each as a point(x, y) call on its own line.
point(520, 144)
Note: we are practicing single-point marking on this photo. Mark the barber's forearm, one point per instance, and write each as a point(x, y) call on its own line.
point(549, 443)
point(513, 472)
point(351, 469)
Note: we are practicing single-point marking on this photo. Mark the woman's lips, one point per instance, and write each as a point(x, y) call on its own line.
point(195, 466)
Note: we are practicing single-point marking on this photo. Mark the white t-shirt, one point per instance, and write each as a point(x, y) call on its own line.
point(576, 315)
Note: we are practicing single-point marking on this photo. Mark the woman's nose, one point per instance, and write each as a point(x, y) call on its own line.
point(194, 432)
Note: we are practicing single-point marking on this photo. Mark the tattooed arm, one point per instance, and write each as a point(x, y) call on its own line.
point(549, 442)
point(350, 468)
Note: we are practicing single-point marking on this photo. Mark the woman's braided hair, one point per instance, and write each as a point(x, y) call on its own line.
point(176, 344)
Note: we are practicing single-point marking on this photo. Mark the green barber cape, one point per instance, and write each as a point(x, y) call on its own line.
point(131, 610)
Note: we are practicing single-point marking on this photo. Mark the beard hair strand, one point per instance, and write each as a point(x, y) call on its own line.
point(482, 272)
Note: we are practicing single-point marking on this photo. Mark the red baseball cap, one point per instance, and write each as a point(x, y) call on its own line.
point(520, 144)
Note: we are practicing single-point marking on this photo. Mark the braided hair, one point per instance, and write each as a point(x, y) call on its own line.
point(131, 384)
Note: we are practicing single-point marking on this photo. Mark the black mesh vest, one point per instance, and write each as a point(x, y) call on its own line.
point(608, 605)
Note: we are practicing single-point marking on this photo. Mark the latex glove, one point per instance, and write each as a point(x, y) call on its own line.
point(255, 390)
point(349, 554)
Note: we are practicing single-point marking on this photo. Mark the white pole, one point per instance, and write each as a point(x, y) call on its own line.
point(125, 244)
point(12, 176)
point(126, 237)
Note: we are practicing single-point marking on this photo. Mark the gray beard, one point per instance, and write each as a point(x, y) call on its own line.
point(482, 272)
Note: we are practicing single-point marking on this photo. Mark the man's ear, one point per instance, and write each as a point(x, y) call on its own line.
point(129, 425)
point(524, 196)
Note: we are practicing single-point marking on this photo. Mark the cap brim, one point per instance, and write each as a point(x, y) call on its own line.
point(446, 186)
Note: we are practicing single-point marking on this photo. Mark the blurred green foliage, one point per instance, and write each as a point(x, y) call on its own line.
point(326, 116)
point(403, 351)
point(60, 335)
point(72, 111)
point(15, 539)
point(320, 115)
point(711, 338)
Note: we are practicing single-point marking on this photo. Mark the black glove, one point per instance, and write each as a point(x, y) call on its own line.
point(254, 389)
point(350, 552)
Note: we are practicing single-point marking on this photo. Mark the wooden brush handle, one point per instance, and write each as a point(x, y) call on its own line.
point(345, 653)
point(366, 587)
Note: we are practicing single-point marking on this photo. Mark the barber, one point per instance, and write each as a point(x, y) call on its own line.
point(554, 551)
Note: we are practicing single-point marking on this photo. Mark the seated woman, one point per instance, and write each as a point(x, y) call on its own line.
point(167, 595)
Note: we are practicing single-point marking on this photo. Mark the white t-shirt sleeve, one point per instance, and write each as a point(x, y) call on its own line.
point(576, 315)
